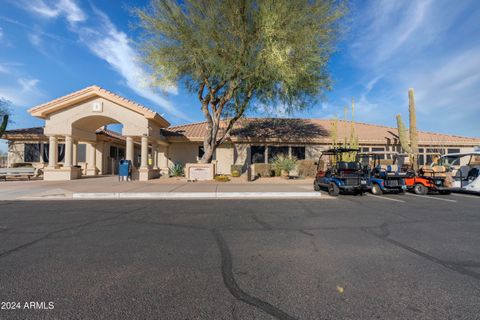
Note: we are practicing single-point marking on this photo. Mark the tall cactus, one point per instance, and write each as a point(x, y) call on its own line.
point(3, 126)
point(413, 128)
point(409, 144)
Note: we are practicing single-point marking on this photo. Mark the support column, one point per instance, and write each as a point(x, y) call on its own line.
point(68, 152)
point(42, 150)
point(75, 153)
point(144, 154)
point(145, 173)
point(129, 154)
point(155, 155)
point(52, 152)
point(91, 165)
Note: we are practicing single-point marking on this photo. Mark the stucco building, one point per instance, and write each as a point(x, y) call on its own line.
point(75, 125)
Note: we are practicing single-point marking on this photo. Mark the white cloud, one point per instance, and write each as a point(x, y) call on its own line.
point(68, 8)
point(1, 34)
point(24, 93)
point(108, 43)
point(421, 44)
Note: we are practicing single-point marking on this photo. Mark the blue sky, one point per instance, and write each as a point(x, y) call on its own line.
point(51, 48)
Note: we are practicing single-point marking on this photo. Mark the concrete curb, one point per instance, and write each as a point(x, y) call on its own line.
point(195, 195)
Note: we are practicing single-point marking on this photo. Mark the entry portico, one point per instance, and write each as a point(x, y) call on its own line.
point(77, 117)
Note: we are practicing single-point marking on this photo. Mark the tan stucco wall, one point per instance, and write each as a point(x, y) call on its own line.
point(183, 152)
point(81, 121)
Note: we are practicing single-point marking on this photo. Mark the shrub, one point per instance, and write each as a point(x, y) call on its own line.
point(236, 170)
point(306, 168)
point(222, 178)
point(282, 162)
point(176, 170)
point(262, 169)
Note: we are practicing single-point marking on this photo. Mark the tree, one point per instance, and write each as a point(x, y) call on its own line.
point(4, 115)
point(239, 54)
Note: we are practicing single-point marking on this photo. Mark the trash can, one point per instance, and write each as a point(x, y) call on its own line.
point(125, 170)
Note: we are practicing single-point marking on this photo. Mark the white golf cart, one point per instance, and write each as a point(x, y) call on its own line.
point(465, 168)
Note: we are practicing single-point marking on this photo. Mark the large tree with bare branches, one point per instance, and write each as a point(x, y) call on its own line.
point(239, 54)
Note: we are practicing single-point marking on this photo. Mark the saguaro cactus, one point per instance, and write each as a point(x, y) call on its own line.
point(413, 128)
point(409, 144)
point(3, 126)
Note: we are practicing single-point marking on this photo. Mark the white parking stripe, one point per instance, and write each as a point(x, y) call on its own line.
point(429, 197)
point(466, 196)
point(386, 198)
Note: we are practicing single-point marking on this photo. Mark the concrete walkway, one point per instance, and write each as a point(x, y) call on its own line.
point(109, 187)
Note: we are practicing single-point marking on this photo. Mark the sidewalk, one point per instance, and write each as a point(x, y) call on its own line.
point(108, 187)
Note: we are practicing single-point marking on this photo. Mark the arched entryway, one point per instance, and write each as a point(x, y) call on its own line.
point(78, 116)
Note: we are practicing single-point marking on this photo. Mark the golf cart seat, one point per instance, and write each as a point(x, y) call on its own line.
point(473, 174)
point(353, 165)
point(342, 165)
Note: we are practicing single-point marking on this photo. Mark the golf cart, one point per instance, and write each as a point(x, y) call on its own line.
point(465, 169)
point(337, 175)
point(427, 179)
point(382, 177)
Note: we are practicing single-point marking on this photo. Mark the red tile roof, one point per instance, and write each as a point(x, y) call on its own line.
point(309, 131)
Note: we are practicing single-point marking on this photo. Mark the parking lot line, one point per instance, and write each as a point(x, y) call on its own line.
point(466, 196)
point(429, 197)
point(386, 198)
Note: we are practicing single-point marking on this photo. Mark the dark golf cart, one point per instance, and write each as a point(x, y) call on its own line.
point(336, 175)
point(388, 178)
point(427, 179)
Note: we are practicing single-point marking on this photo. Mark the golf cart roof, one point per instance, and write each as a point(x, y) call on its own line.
point(462, 154)
point(338, 150)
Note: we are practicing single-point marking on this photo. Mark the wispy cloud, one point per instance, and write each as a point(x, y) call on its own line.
point(104, 40)
point(422, 44)
point(25, 92)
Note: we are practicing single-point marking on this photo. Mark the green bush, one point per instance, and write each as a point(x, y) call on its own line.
point(222, 178)
point(236, 170)
point(282, 162)
point(176, 170)
point(262, 169)
point(306, 168)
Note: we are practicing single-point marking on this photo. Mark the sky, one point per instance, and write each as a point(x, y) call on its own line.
point(52, 48)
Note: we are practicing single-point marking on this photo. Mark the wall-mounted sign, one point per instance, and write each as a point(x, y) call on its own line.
point(97, 107)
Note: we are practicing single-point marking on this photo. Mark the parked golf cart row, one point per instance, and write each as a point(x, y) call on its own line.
point(364, 172)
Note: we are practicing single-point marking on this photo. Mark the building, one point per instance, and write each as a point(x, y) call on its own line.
point(75, 125)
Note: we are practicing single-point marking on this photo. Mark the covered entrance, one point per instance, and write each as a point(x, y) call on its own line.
point(77, 117)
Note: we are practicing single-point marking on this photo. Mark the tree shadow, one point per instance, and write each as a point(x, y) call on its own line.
point(278, 128)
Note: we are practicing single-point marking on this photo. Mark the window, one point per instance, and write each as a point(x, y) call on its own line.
point(378, 150)
point(421, 159)
point(113, 152)
point(453, 150)
point(365, 149)
point(60, 152)
point(82, 152)
point(257, 154)
point(201, 151)
point(32, 152)
point(298, 152)
point(274, 151)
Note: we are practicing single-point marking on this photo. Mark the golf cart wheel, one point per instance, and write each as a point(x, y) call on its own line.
point(376, 190)
point(316, 187)
point(333, 190)
point(420, 189)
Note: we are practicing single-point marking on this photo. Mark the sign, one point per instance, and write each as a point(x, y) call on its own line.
point(97, 107)
point(200, 173)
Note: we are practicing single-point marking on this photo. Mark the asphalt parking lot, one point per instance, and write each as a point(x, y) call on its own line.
point(370, 257)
